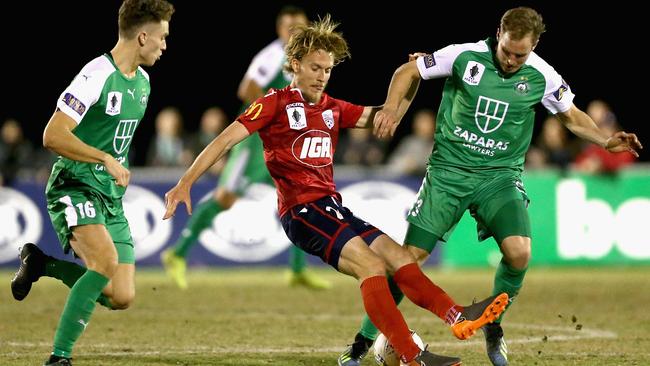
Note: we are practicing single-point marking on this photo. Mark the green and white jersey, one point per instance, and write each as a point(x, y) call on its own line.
point(267, 71)
point(266, 68)
point(485, 120)
point(107, 107)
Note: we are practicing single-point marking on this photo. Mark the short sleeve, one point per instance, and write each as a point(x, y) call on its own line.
point(260, 113)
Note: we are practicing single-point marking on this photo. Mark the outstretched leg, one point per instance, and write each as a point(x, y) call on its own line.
point(94, 245)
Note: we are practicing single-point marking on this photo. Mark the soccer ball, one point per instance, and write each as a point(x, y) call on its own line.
point(385, 354)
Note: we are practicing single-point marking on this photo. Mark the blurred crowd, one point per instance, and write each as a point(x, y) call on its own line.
point(553, 146)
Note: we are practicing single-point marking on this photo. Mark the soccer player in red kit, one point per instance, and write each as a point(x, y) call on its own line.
point(299, 127)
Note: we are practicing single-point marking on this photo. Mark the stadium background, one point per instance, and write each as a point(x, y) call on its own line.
point(589, 315)
point(210, 46)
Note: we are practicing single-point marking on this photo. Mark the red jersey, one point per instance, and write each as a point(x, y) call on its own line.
point(299, 141)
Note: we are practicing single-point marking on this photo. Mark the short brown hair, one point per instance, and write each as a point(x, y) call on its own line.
point(290, 10)
point(521, 21)
point(320, 35)
point(134, 13)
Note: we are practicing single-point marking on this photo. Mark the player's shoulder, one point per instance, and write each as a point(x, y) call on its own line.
point(272, 50)
point(99, 67)
point(538, 63)
point(285, 93)
point(545, 70)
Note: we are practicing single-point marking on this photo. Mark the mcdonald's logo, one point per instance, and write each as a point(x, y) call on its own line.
point(252, 108)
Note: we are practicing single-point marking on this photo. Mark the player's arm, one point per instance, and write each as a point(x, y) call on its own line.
point(584, 127)
point(58, 137)
point(401, 91)
point(367, 119)
point(248, 90)
point(230, 137)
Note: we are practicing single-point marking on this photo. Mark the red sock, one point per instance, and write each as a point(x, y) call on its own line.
point(424, 293)
point(383, 313)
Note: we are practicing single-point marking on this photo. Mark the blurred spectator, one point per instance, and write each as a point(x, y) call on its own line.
point(595, 159)
point(360, 147)
point(15, 151)
point(411, 154)
point(213, 121)
point(166, 149)
point(551, 148)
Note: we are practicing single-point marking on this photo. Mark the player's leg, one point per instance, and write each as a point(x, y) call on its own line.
point(233, 182)
point(323, 228)
point(35, 263)
point(93, 244)
point(463, 320)
point(120, 292)
point(358, 261)
point(201, 219)
point(174, 259)
point(367, 334)
point(63, 208)
point(377, 298)
point(504, 215)
point(257, 172)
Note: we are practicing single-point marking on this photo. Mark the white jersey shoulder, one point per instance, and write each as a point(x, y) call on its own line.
point(557, 93)
point(85, 88)
point(441, 63)
point(266, 64)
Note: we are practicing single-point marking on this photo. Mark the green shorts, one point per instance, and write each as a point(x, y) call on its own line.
point(245, 166)
point(497, 201)
point(81, 206)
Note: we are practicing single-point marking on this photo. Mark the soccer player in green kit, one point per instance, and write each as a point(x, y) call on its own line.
point(485, 124)
point(91, 130)
point(245, 164)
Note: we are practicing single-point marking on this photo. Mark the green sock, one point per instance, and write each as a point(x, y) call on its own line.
point(77, 311)
point(69, 273)
point(66, 272)
point(297, 259)
point(200, 219)
point(509, 280)
point(368, 329)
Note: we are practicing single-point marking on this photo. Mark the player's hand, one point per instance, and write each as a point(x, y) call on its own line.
point(180, 193)
point(623, 141)
point(385, 123)
point(117, 171)
point(413, 56)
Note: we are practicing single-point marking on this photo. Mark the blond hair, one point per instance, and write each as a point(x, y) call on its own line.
point(320, 35)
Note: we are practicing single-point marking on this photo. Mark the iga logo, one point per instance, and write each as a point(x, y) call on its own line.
point(20, 220)
point(313, 148)
point(249, 231)
point(144, 211)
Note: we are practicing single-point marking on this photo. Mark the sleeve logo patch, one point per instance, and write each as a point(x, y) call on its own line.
point(559, 93)
point(74, 103)
point(429, 61)
point(254, 111)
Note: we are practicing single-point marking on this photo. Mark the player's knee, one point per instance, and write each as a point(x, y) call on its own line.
point(106, 266)
point(398, 259)
point(226, 199)
point(373, 266)
point(518, 252)
point(122, 301)
point(419, 255)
